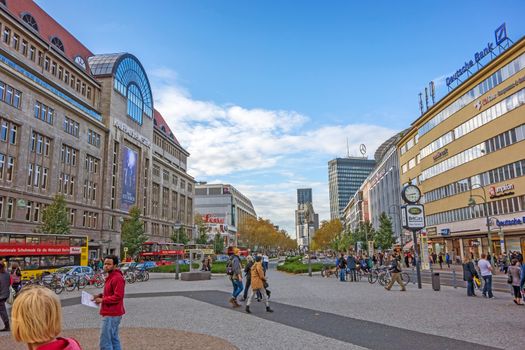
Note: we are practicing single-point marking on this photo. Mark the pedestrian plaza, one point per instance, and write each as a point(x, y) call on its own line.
point(310, 313)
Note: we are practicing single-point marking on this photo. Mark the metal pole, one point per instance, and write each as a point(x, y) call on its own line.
point(309, 260)
point(177, 267)
point(488, 230)
point(416, 256)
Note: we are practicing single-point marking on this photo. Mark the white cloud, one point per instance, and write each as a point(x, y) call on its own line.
point(226, 140)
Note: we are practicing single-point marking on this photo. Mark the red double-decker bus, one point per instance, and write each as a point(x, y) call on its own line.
point(162, 253)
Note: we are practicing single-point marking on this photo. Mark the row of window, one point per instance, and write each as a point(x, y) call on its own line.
point(66, 184)
point(44, 113)
point(34, 211)
point(90, 190)
point(503, 173)
point(174, 178)
point(410, 164)
point(91, 164)
point(499, 109)
point(89, 219)
point(69, 155)
point(10, 95)
point(71, 127)
point(93, 138)
point(22, 45)
point(169, 148)
point(494, 80)
point(493, 144)
point(8, 131)
point(410, 143)
point(40, 144)
point(7, 205)
point(37, 176)
point(498, 207)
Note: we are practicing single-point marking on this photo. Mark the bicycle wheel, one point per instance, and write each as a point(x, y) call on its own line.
point(405, 277)
point(82, 283)
point(372, 277)
point(99, 281)
point(146, 276)
point(58, 287)
point(70, 283)
point(130, 277)
point(323, 271)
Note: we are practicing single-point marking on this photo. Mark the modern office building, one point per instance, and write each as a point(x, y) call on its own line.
point(470, 144)
point(304, 195)
point(84, 126)
point(224, 209)
point(345, 175)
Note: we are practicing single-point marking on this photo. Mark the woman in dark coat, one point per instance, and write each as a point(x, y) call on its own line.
point(248, 276)
point(469, 271)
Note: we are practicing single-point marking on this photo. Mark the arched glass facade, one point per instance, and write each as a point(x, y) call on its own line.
point(131, 81)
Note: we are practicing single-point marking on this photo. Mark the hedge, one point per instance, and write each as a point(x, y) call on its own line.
point(299, 267)
point(217, 267)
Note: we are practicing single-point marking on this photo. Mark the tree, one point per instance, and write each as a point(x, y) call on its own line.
point(262, 235)
point(384, 237)
point(202, 237)
point(218, 244)
point(180, 236)
point(329, 232)
point(364, 232)
point(133, 232)
point(55, 218)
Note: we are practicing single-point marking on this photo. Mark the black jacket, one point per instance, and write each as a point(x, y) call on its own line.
point(469, 271)
point(394, 266)
point(4, 285)
point(247, 270)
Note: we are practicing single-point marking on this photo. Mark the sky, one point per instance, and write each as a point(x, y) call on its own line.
point(264, 93)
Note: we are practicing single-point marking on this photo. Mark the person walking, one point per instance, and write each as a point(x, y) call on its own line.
point(485, 269)
point(395, 270)
point(515, 280)
point(16, 277)
point(447, 259)
point(258, 280)
point(111, 305)
point(440, 259)
point(342, 268)
point(248, 276)
point(351, 264)
point(4, 295)
point(469, 272)
point(235, 271)
point(265, 262)
point(37, 320)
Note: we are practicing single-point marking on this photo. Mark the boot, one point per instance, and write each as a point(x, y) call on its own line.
point(248, 309)
point(268, 309)
point(6, 328)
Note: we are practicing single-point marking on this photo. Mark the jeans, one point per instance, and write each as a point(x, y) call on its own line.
point(470, 288)
point(353, 275)
point(247, 287)
point(109, 339)
point(487, 286)
point(342, 275)
point(237, 288)
point(3, 313)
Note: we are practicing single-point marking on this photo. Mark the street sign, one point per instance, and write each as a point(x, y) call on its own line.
point(125, 249)
point(413, 216)
point(370, 248)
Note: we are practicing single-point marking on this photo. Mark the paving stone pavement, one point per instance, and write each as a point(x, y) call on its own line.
point(449, 313)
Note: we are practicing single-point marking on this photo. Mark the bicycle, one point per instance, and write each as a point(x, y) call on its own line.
point(73, 282)
point(97, 280)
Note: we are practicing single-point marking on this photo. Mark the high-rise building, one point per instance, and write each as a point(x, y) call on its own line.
point(345, 175)
point(304, 195)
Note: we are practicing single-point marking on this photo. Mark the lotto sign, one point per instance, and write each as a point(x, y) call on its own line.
point(413, 216)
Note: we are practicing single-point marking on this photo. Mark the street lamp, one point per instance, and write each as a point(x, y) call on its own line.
point(177, 228)
point(472, 204)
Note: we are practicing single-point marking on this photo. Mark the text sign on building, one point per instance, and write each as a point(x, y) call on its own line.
point(500, 35)
point(132, 133)
point(212, 219)
point(511, 222)
point(500, 191)
point(413, 216)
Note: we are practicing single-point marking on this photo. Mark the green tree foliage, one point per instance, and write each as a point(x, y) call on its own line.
point(180, 236)
point(55, 218)
point(218, 244)
point(133, 232)
point(364, 232)
point(202, 237)
point(384, 237)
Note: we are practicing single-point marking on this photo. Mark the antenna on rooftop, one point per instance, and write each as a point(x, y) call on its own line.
point(347, 149)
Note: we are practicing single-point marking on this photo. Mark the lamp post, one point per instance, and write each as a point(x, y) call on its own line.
point(472, 204)
point(309, 255)
point(177, 228)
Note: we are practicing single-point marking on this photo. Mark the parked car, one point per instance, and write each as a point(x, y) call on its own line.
point(222, 258)
point(145, 265)
point(81, 271)
point(125, 266)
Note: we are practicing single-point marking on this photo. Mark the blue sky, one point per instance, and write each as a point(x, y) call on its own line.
point(264, 93)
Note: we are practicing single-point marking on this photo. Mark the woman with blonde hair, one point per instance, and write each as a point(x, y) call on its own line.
point(36, 319)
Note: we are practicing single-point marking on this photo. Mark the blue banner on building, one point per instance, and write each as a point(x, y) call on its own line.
point(129, 178)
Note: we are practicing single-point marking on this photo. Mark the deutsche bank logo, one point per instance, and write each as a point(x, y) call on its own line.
point(500, 34)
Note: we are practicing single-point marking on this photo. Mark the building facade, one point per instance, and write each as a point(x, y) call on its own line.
point(469, 145)
point(304, 195)
point(84, 126)
point(345, 175)
point(224, 209)
point(306, 219)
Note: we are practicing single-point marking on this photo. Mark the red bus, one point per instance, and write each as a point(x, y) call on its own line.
point(162, 253)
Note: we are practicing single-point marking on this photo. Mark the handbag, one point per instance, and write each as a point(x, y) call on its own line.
point(11, 297)
point(477, 282)
point(509, 279)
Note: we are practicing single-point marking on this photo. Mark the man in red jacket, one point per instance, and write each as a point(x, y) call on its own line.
point(111, 305)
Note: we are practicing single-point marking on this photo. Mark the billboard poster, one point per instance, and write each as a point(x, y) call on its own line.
point(129, 178)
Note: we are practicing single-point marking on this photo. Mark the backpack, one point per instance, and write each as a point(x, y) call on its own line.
point(229, 267)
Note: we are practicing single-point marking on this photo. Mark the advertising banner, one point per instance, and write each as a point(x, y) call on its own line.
point(425, 265)
point(129, 178)
point(41, 249)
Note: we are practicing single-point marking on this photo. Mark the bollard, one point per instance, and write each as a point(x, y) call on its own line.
point(454, 278)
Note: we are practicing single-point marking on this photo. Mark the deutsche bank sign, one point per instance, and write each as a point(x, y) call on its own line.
point(500, 35)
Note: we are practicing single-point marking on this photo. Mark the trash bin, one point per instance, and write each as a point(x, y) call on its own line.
point(436, 283)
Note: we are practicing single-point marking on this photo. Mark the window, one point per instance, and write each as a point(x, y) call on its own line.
point(54, 68)
point(46, 63)
point(10, 95)
point(60, 72)
point(12, 134)
point(89, 93)
point(80, 61)
point(30, 21)
point(40, 58)
point(2, 166)
point(6, 37)
point(66, 77)
point(16, 41)
point(91, 164)
point(32, 51)
point(93, 138)
point(71, 127)
point(69, 155)
point(58, 43)
point(10, 168)
point(44, 178)
point(24, 48)
point(135, 103)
